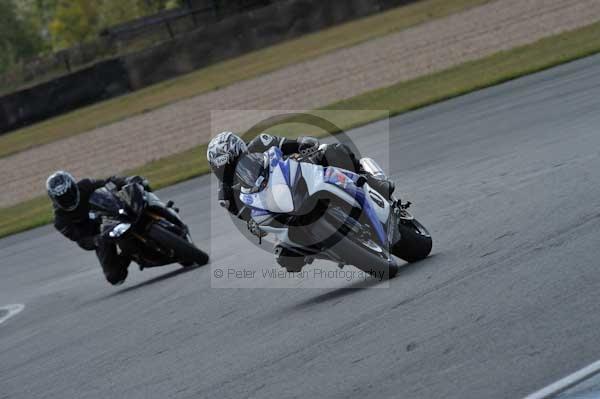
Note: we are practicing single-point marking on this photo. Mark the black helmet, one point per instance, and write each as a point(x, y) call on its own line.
point(252, 172)
point(225, 150)
point(62, 190)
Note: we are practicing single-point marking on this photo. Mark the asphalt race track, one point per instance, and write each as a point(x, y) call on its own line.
point(506, 179)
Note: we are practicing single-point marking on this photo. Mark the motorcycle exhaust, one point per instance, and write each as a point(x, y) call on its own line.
point(370, 166)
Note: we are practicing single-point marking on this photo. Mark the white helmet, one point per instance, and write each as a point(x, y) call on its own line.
point(223, 150)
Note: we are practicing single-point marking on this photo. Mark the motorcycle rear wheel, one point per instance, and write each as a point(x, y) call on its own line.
point(356, 254)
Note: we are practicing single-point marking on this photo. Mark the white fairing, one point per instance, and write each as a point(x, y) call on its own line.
point(277, 197)
point(282, 199)
point(313, 175)
point(383, 212)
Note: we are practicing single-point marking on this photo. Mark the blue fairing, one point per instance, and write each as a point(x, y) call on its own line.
point(341, 178)
point(259, 212)
point(347, 181)
point(276, 157)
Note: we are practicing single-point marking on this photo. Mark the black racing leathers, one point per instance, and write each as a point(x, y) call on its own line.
point(77, 226)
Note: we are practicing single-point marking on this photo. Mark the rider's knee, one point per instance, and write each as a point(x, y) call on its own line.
point(116, 277)
point(289, 260)
point(341, 156)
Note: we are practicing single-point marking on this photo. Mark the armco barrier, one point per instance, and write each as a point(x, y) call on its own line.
point(228, 38)
point(241, 34)
point(104, 80)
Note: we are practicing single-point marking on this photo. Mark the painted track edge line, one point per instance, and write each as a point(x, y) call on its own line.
point(12, 310)
point(567, 382)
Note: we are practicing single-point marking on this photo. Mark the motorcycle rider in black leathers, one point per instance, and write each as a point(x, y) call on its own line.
point(70, 199)
point(225, 150)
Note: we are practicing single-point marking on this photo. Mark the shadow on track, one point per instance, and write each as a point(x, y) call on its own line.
point(358, 286)
point(338, 293)
point(152, 281)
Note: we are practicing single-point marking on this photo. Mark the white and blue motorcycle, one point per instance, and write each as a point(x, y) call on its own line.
point(317, 212)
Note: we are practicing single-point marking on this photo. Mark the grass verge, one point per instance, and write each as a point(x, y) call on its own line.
point(399, 98)
point(229, 72)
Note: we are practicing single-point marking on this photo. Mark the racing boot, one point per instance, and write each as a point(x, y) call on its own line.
point(289, 260)
point(375, 176)
point(384, 187)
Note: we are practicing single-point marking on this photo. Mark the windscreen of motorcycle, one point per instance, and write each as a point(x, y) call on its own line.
point(105, 200)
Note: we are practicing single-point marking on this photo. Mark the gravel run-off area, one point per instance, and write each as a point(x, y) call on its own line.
point(418, 51)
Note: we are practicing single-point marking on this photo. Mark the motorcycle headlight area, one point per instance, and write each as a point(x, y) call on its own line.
point(119, 230)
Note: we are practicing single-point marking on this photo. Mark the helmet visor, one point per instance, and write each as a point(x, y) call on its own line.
point(69, 200)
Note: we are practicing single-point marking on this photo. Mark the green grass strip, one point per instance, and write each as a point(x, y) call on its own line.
point(399, 98)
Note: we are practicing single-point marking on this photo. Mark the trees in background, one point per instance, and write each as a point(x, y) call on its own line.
point(76, 21)
point(37, 13)
point(28, 27)
point(112, 12)
point(18, 37)
point(158, 5)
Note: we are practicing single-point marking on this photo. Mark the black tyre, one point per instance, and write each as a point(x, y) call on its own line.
point(415, 242)
point(365, 257)
point(185, 252)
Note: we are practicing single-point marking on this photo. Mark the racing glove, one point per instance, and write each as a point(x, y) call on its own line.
point(140, 180)
point(307, 146)
point(226, 199)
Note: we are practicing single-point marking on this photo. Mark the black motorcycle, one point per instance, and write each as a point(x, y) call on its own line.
point(144, 228)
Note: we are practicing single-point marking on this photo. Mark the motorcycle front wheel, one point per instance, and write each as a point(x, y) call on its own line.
point(415, 241)
point(353, 250)
point(185, 252)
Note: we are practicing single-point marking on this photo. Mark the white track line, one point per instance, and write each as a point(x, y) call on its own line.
point(12, 311)
point(567, 382)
